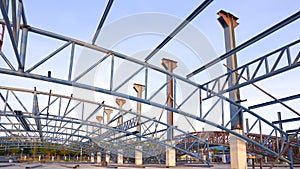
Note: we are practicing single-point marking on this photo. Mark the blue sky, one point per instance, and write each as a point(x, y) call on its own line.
point(79, 19)
point(68, 17)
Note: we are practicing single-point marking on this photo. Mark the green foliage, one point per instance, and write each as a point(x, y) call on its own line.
point(14, 150)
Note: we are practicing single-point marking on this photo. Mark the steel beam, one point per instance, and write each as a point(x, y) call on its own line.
point(48, 57)
point(297, 96)
point(10, 32)
point(252, 77)
point(23, 14)
point(106, 11)
point(90, 68)
point(8, 106)
point(170, 65)
point(54, 118)
point(249, 42)
point(229, 23)
point(229, 131)
point(71, 61)
point(287, 120)
point(7, 61)
point(196, 12)
point(139, 89)
point(64, 82)
point(36, 113)
point(295, 131)
point(18, 19)
point(107, 51)
point(23, 47)
point(129, 78)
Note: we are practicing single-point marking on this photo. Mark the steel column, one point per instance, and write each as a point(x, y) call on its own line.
point(229, 22)
point(170, 65)
point(10, 32)
point(237, 146)
point(138, 154)
point(139, 89)
point(108, 112)
point(249, 42)
point(23, 47)
point(71, 61)
point(99, 119)
point(120, 103)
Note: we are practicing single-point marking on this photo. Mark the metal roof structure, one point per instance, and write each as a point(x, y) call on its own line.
point(31, 117)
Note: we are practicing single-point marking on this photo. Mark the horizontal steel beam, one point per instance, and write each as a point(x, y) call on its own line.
point(107, 51)
point(97, 89)
point(263, 63)
point(127, 133)
point(293, 131)
point(52, 132)
point(275, 101)
point(287, 120)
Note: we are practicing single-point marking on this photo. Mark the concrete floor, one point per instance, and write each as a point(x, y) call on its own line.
point(89, 166)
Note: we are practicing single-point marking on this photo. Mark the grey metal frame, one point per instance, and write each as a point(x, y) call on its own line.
point(40, 124)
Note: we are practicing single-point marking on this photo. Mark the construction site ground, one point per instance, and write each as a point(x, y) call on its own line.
point(111, 166)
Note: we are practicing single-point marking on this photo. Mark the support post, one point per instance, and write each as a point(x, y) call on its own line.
point(108, 112)
point(170, 65)
point(2, 36)
point(99, 119)
point(120, 156)
point(23, 47)
point(98, 157)
point(237, 146)
point(107, 157)
point(290, 154)
point(92, 157)
point(260, 131)
point(279, 119)
point(81, 157)
point(247, 125)
point(120, 103)
point(290, 157)
point(138, 154)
